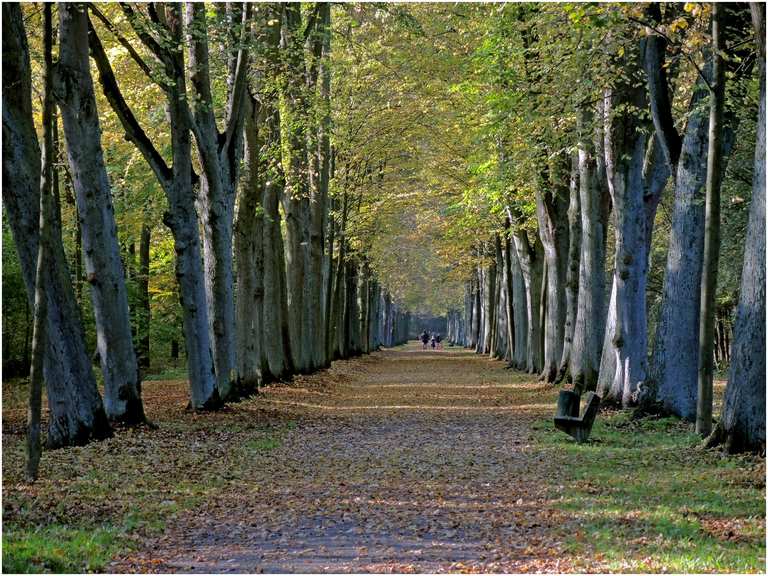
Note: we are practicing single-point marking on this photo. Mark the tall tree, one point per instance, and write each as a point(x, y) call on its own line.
point(220, 155)
point(711, 230)
point(165, 20)
point(76, 410)
point(44, 251)
point(742, 424)
point(104, 268)
point(625, 144)
point(590, 309)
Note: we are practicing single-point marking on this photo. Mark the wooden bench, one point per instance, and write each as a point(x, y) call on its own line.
point(567, 416)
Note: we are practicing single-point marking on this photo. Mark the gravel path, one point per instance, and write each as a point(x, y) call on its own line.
point(402, 461)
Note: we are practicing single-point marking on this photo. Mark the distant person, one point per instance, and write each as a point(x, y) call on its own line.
point(439, 341)
point(434, 341)
point(424, 339)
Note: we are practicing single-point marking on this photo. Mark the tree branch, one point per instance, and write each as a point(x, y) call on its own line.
point(133, 129)
point(123, 40)
point(236, 105)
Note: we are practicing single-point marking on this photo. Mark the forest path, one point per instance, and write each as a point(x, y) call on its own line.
point(401, 461)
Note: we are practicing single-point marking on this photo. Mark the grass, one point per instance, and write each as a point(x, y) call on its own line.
point(641, 496)
point(59, 549)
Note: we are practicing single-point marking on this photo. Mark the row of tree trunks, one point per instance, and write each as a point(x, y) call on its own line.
point(225, 359)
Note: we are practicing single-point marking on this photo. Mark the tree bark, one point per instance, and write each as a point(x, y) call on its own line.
point(296, 200)
point(104, 269)
point(551, 213)
point(520, 310)
point(572, 268)
point(47, 174)
point(177, 183)
point(220, 155)
point(742, 425)
point(531, 260)
point(145, 312)
point(624, 155)
point(711, 230)
point(590, 308)
point(75, 406)
point(249, 244)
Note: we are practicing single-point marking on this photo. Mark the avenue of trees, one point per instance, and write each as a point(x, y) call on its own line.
point(662, 97)
point(229, 108)
point(254, 190)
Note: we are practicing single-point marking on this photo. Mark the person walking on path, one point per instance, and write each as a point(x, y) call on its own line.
point(424, 339)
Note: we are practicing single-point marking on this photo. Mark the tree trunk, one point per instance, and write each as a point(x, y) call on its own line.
point(590, 315)
point(742, 425)
point(176, 182)
point(711, 230)
point(674, 361)
point(220, 155)
point(296, 200)
point(47, 174)
point(76, 410)
point(520, 310)
point(249, 243)
point(551, 213)
point(572, 268)
point(531, 260)
point(104, 268)
point(144, 316)
point(624, 155)
point(509, 308)
point(320, 152)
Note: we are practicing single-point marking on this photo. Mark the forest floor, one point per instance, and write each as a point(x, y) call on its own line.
point(401, 461)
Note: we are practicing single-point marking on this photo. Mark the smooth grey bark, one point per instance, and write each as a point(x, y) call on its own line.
point(177, 183)
point(531, 258)
point(674, 362)
point(742, 425)
point(104, 268)
point(711, 252)
point(520, 310)
point(249, 257)
point(572, 268)
point(675, 354)
point(590, 308)
point(551, 212)
point(489, 307)
point(220, 155)
point(294, 109)
point(319, 149)
point(509, 295)
point(351, 308)
point(500, 341)
point(624, 159)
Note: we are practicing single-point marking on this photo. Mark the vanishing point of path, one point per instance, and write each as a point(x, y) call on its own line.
point(402, 461)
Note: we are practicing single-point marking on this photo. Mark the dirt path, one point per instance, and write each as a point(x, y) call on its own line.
point(403, 461)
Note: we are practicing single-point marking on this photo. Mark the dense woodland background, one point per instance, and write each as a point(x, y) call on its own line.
point(240, 193)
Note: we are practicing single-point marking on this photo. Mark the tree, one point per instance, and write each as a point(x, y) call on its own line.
point(76, 410)
point(220, 154)
point(742, 424)
point(176, 181)
point(44, 251)
point(711, 230)
point(104, 269)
